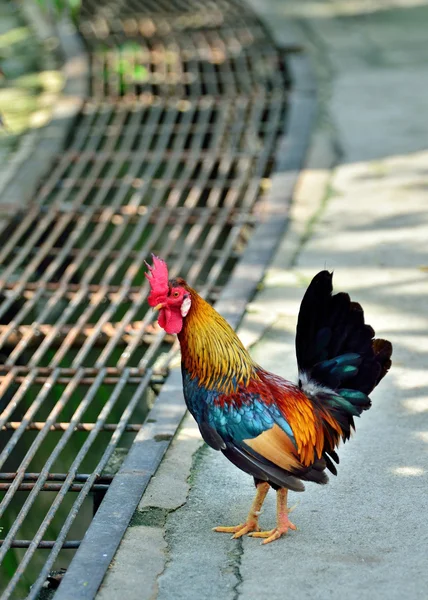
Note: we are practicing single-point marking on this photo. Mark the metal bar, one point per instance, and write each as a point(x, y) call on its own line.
point(45, 544)
point(53, 487)
point(58, 333)
point(72, 288)
point(84, 381)
point(67, 371)
point(7, 383)
point(38, 426)
point(55, 477)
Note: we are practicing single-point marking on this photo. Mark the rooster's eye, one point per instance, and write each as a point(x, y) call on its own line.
point(176, 294)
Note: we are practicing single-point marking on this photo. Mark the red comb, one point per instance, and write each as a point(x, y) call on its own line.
point(158, 279)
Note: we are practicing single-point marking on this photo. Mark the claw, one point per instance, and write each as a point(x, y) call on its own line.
point(274, 534)
point(239, 530)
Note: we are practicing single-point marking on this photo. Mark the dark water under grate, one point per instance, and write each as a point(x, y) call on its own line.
point(171, 154)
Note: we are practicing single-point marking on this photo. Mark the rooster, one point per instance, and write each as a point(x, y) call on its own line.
point(279, 432)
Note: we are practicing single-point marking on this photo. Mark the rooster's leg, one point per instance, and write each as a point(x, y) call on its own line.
point(252, 522)
point(283, 522)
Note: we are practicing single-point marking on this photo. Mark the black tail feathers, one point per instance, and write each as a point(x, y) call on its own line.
point(335, 348)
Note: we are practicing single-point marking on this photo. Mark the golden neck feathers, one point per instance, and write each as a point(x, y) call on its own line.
point(211, 350)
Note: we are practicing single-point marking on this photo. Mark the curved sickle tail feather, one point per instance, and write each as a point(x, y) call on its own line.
point(340, 362)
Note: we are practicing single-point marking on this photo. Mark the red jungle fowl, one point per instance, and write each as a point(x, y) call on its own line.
point(278, 432)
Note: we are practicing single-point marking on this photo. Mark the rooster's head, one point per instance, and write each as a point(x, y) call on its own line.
point(170, 297)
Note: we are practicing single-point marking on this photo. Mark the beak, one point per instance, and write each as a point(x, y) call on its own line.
point(158, 307)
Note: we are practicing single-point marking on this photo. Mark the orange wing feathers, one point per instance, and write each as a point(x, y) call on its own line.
point(309, 424)
point(312, 425)
point(276, 446)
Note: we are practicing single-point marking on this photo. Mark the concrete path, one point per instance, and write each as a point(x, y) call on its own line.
point(362, 210)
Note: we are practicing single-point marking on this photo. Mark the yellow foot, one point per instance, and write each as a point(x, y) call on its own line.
point(273, 534)
point(239, 530)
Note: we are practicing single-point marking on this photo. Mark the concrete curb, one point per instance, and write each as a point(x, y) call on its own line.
point(44, 144)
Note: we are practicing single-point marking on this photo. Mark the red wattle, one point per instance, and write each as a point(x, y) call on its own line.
point(170, 320)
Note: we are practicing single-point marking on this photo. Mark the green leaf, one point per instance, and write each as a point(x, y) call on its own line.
point(61, 6)
point(140, 73)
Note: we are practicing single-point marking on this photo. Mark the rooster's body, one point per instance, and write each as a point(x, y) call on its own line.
point(278, 432)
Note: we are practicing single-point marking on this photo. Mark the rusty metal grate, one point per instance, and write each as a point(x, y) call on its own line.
point(172, 154)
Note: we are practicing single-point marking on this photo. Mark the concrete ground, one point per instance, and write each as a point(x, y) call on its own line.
point(361, 209)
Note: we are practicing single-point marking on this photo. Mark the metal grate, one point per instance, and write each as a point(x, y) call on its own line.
point(172, 155)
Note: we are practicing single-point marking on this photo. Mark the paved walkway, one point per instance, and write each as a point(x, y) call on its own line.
point(361, 209)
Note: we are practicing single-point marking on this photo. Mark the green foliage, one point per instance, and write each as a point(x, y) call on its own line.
point(61, 6)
